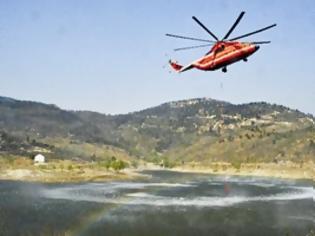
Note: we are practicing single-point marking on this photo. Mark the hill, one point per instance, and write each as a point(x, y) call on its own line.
point(202, 130)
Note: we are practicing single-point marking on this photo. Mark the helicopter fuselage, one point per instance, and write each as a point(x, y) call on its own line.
point(223, 54)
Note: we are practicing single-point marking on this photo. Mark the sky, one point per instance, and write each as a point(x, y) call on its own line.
point(111, 56)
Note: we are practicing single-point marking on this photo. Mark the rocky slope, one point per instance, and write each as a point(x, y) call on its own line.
point(200, 129)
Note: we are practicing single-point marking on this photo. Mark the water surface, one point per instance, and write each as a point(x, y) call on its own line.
point(169, 203)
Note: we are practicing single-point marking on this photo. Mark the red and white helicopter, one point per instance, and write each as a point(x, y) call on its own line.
point(223, 52)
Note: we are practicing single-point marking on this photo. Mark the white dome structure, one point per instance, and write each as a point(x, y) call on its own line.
point(39, 158)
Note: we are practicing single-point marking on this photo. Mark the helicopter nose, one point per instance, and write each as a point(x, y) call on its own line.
point(256, 47)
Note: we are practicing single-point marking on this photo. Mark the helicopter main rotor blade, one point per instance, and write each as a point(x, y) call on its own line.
point(254, 32)
point(234, 25)
point(193, 47)
point(189, 38)
point(205, 28)
point(261, 42)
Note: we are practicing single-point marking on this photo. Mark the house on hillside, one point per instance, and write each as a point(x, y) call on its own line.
point(39, 159)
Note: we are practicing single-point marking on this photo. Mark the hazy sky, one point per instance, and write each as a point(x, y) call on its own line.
point(111, 56)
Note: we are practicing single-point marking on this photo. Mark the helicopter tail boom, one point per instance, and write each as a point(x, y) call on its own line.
point(179, 68)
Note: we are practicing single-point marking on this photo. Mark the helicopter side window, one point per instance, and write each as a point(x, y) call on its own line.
point(220, 49)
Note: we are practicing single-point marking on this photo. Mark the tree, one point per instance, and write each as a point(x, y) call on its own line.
point(236, 164)
point(118, 165)
point(93, 157)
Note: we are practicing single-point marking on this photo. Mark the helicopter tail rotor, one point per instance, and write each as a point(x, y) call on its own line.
point(177, 67)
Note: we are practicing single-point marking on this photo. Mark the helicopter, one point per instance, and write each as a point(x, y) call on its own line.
point(223, 52)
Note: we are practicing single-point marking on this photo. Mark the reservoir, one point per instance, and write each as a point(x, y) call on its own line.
point(165, 203)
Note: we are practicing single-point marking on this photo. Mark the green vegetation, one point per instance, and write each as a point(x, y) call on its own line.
point(236, 164)
point(114, 164)
point(200, 130)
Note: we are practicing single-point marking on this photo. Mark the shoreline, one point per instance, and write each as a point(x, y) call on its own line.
point(24, 174)
point(288, 170)
point(38, 174)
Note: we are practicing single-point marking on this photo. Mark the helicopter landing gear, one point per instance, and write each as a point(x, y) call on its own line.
point(224, 70)
point(245, 59)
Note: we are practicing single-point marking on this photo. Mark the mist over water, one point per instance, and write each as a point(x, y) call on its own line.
point(169, 203)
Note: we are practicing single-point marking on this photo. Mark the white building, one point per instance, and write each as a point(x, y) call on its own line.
point(39, 159)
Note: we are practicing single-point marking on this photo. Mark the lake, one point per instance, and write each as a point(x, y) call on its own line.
point(168, 203)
